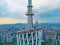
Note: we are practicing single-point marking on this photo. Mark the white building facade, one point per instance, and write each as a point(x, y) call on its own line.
point(32, 37)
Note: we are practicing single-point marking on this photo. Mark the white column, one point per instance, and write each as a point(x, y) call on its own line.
point(23, 39)
point(17, 36)
point(36, 37)
point(19, 39)
point(56, 42)
point(39, 35)
point(30, 22)
point(27, 38)
point(32, 38)
point(29, 2)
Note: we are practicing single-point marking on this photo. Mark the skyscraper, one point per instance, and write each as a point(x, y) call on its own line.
point(29, 36)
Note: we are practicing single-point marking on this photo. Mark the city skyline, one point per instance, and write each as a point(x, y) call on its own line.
point(15, 10)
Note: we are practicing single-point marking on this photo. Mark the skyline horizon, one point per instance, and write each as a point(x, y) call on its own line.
point(15, 21)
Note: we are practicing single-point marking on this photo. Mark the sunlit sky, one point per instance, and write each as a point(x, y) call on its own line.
point(13, 11)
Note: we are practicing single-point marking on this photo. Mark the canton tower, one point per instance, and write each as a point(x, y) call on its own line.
point(30, 15)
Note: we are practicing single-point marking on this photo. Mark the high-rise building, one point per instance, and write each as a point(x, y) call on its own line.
point(31, 35)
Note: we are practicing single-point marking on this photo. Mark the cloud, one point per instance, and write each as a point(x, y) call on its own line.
point(17, 9)
point(14, 5)
point(49, 16)
point(8, 8)
point(3, 10)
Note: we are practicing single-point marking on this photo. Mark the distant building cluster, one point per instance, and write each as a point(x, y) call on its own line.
point(8, 31)
point(51, 34)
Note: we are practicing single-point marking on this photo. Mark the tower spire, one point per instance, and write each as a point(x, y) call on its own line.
point(30, 15)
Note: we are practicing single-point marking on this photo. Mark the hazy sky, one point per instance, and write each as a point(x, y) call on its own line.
point(44, 10)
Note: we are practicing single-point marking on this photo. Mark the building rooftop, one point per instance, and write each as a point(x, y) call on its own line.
point(26, 31)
